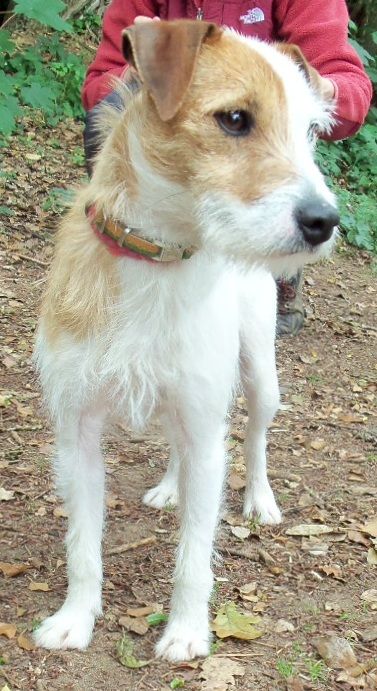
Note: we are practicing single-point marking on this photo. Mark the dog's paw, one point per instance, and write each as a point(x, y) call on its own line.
point(181, 643)
point(68, 628)
point(262, 505)
point(165, 494)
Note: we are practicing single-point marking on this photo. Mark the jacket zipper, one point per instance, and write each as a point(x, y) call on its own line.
point(199, 14)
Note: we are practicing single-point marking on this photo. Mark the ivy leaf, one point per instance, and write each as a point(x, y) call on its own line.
point(9, 110)
point(46, 13)
point(7, 83)
point(38, 96)
point(6, 45)
point(125, 654)
point(230, 621)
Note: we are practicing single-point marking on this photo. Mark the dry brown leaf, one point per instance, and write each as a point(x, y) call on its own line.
point(143, 611)
point(318, 444)
point(60, 512)
point(282, 625)
point(359, 538)
point(306, 530)
point(236, 482)
point(240, 532)
point(336, 652)
point(139, 625)
point(13, 570)
point(5, 494)
point(354, 682)
point(369, 595)
point(332, 570)
point(219, 672)
point(372, 556)
point(25, 643)
point(8, 630)
point(248, 592)
point(34, 585)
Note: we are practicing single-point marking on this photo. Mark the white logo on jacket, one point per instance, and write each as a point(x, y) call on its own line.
point(253, 16)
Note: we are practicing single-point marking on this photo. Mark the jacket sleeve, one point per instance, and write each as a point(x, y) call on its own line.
point(320, 30)
point(109, 60)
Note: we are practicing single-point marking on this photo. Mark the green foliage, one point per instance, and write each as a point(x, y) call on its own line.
point(47, 13)
point(351, 165)
point(43, 76)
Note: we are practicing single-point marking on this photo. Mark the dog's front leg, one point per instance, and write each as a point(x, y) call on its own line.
point(201, 477)
point(80, 479)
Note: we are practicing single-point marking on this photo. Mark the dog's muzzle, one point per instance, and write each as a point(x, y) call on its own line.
point(316, 219)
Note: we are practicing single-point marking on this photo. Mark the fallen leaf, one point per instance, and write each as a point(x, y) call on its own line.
point(359, 538)
point(336, 652)
point(240, 532)
point(157, 618)
point(139, 625)
point(219, 672)
point(41, 511)
point(314, 546)
point(372, 556)
point(60, 512)
point(125, 654)
point(143, 611)
point(332, 570)
point(229, 621)
point(309, 529)
point(354, 682)
point(8, 630)
point(236, 482)
point(5, 494)
point(12, 570)
point(282, 625)
point(248, 592)
point(370, 527)
point(318, 444)
point(34, 585)
point(369, 634)
point(369, 595)
point(25, 643)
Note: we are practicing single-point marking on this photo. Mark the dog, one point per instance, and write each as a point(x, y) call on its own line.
point(161, 296)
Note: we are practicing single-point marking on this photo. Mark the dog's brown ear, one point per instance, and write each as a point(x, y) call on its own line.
point(313, 77)
point(164, 55)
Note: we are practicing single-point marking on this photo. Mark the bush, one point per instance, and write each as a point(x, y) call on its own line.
point(42, 75)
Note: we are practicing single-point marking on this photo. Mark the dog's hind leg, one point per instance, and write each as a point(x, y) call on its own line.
point(261, 389)
point(201, 474)
point(80, 477)
point(166, 492)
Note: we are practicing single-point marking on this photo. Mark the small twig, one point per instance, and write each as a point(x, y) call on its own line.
point(31, 259)
point(132, 545)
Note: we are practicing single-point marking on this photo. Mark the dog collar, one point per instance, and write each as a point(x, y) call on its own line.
point(121, 240)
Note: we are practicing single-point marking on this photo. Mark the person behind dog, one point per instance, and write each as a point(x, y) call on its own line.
point(318, 28)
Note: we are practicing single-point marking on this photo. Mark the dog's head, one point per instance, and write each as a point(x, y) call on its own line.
point(234, 121)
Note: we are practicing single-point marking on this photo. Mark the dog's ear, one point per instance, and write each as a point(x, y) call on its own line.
point(164, 55)
point(311, 74)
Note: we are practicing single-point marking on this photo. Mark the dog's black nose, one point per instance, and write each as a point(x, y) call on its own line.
point(316, 220)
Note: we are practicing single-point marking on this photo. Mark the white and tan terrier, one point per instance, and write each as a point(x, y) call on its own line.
point(161, 295)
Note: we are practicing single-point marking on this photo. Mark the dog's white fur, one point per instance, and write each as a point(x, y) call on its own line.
point(176, 343)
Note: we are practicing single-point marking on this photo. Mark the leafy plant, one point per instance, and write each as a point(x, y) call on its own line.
point(44, 75)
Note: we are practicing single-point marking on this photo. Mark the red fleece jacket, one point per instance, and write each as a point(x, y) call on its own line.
point(319, 28)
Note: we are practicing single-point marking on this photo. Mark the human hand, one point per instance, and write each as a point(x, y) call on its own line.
point(141, 18)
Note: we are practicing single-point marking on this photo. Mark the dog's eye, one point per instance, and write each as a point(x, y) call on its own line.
point(235, 122)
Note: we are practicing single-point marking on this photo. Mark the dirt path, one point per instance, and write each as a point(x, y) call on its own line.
point(323, 460)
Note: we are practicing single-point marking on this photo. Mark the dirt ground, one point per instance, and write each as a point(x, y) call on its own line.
point(322, 459)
